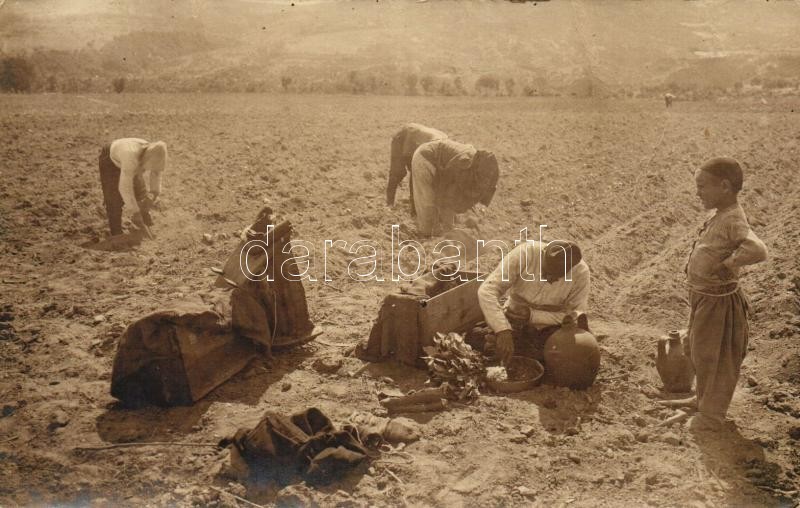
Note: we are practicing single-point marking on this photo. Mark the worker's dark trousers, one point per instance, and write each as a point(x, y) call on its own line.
point(109, 180)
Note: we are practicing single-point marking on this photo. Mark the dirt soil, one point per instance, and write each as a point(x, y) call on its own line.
point(616, 176)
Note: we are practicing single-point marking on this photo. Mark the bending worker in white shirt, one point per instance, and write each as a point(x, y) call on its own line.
point(123, 164)
point(404, 144)
point(537, 302)
point(449, 177)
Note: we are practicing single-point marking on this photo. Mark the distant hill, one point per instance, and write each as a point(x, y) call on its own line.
point(435, 47)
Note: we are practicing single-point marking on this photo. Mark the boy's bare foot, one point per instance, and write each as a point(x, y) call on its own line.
point(705, 423)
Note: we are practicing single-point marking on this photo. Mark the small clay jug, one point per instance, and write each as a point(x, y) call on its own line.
point(571, 355)
point(674, 367)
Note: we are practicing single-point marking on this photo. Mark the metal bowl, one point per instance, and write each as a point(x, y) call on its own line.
point(526, 374)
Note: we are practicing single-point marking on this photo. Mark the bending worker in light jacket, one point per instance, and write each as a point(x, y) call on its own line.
point(450, 178)
point(540, 294)
point(404, 144)
point(123, 164)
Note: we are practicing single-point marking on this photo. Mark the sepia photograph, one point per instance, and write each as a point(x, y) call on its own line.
point(402, 253)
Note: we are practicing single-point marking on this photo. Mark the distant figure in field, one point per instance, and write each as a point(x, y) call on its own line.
point(123, 164)
point(404, 144)
point(449, 178)
point(668, 98)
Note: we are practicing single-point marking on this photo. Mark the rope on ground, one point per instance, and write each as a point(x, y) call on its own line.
point(677, 418)
point(333, 344)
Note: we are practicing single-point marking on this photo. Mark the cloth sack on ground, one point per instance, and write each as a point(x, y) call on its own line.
point(252, 313)
point(306, 441)
point(272, 313)
point(177, 355)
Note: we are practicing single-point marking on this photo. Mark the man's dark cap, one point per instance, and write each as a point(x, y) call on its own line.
point(560, 252)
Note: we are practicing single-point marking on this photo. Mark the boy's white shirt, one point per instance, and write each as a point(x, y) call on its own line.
point(126, 153)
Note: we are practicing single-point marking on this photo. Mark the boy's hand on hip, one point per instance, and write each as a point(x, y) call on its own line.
point(723, 272)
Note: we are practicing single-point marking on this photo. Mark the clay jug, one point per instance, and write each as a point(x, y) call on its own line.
point(674, 367)
point(571, 355)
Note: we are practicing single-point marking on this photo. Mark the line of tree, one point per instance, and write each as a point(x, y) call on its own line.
point(16, 75)
point(70, 72)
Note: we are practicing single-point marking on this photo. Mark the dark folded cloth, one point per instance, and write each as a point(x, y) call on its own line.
point(306, 441)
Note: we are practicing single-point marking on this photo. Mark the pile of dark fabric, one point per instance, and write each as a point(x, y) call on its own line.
point(308, 444)
point(177, 355)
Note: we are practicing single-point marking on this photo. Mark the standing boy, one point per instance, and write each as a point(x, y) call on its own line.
point(718, 328)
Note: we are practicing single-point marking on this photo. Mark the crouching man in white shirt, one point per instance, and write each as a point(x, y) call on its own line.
point(543, 282)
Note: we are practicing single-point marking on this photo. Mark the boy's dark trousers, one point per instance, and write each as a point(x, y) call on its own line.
point(109, 180)
point(718, 339)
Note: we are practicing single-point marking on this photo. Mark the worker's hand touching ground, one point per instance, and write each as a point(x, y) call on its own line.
point(150, 202)
point(141, 223)
point(505, 346)
point(138, 220)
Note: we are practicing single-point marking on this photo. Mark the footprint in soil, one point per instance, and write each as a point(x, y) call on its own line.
point(768, 476)
point(7, 331)
point(784, 402)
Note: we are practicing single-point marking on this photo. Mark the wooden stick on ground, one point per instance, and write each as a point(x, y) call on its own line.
point(679, 416)
point(332, 286)
point(333, 344)
point(401, 482)
point(360, 370)
point(424, 396)
point(420, 407)
point(245, 501)
point(149, 443)
point(690, 403)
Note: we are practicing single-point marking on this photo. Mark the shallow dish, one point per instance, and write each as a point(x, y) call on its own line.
point(524, 373)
